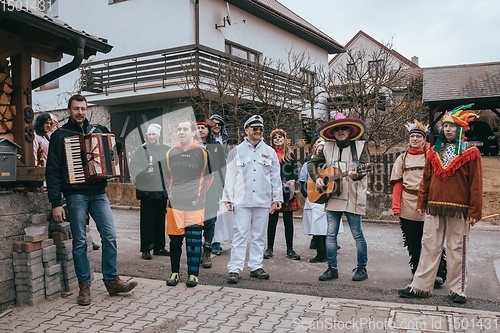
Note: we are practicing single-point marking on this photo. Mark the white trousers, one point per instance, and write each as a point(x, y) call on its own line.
point(437, 229)
point(247, 221)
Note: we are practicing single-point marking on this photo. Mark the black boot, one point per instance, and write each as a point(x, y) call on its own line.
point(441, 273)
point(312, 244)
point(330, 274)
point(319, 241)
point(206, 261)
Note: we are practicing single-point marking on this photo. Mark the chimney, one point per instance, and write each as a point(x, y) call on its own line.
point(414, 60)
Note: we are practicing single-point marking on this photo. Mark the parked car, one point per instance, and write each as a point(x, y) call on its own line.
point(481, 135)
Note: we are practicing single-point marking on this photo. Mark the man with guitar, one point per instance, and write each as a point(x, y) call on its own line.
point(341, 160)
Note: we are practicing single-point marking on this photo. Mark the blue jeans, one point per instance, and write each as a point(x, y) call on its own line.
point(79, 206)
point(354, 220)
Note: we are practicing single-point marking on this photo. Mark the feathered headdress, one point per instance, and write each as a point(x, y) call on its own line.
point(417, 127)
point(461, 116)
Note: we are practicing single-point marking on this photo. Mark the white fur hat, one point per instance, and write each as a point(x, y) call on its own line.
point(154, 129)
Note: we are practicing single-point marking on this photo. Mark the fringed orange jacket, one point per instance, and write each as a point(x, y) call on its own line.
point(455, 190)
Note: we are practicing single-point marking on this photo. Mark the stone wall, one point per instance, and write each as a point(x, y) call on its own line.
point(122, 194)
point(18, 210)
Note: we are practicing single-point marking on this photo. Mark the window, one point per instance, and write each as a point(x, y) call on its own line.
point(309, 78)
point(375, 68)
point(351, 68)
point(47, 67)
point(242, 52)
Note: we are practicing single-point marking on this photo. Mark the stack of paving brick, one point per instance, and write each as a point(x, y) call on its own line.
point(52, 270)
point(35, 269)
point(28, 273)
point(60, 233)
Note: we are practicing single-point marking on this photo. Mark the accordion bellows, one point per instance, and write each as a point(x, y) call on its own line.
point(91, 157)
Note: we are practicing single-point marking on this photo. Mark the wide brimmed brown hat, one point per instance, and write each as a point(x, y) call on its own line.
point(357, 127)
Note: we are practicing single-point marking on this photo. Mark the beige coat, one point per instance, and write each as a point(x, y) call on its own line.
point(410, 172)
point(353, 196)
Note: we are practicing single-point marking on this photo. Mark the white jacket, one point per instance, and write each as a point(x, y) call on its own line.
point(253, 176)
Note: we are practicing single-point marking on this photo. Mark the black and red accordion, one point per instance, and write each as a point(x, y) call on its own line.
point(91, 157)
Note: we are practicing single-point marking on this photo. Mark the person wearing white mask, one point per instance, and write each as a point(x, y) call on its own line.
point(147, 166)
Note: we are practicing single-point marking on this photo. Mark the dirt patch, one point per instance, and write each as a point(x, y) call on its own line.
point(491, 189)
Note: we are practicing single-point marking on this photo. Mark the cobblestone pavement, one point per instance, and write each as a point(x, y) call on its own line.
point(154, 307)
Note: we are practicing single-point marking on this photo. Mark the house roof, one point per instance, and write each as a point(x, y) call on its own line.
point(394, 53)
point(472, 82)
point(47, 32)
point(279, 15)
point(447, 87)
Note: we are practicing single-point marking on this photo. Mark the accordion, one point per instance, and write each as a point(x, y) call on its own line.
point(91, 157)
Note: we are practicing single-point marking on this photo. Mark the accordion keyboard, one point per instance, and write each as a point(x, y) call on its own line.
point(76, 173)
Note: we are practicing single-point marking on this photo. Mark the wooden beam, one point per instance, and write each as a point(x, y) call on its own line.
point(43, 52)
point(21, 98)
point(433, 110)
point(7, 51)
point(30, 174)
point(495, 111)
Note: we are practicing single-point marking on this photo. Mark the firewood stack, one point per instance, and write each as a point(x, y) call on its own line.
point(7, 111)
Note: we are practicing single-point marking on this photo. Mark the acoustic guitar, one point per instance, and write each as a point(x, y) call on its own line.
point(332, 177)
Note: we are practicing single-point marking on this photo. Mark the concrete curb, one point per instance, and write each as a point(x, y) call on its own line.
point(125, 207)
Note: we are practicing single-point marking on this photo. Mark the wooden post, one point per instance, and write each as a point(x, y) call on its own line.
point(21, 98)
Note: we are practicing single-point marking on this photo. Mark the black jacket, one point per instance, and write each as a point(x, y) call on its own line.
point(288, 171)
point(218, 159)
point(149, 185)
point(56, 172)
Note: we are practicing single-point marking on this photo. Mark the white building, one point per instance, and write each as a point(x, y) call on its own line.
point(371, 48)
point(374, 65)
point(156, 41)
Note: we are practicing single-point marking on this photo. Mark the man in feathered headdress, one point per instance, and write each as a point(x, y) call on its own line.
point(406, 175)
point(451, 195)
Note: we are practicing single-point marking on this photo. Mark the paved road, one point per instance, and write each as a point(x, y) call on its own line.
point(387, 267)
point(293, 300)
point(153, 307)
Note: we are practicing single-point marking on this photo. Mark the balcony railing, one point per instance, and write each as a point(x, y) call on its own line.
point(189, 67)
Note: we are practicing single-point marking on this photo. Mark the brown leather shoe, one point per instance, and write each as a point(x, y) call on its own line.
point(118, 286)
point(84, 294)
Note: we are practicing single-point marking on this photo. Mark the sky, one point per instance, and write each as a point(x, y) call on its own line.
point(438, 32)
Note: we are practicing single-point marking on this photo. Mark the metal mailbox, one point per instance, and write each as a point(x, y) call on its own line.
point(8, 160)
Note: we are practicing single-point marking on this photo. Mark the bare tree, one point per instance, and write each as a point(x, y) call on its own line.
point(236, 89)
point(377, 88)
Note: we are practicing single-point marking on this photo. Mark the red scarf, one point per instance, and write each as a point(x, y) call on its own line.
point(279, 152)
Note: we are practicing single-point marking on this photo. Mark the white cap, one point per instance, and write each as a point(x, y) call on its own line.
point(154, 129)
point(254, 120)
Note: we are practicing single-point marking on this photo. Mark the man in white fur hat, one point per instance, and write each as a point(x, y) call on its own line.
point(147, 166)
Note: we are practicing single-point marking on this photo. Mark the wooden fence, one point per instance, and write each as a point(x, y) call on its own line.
point(378, 181)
